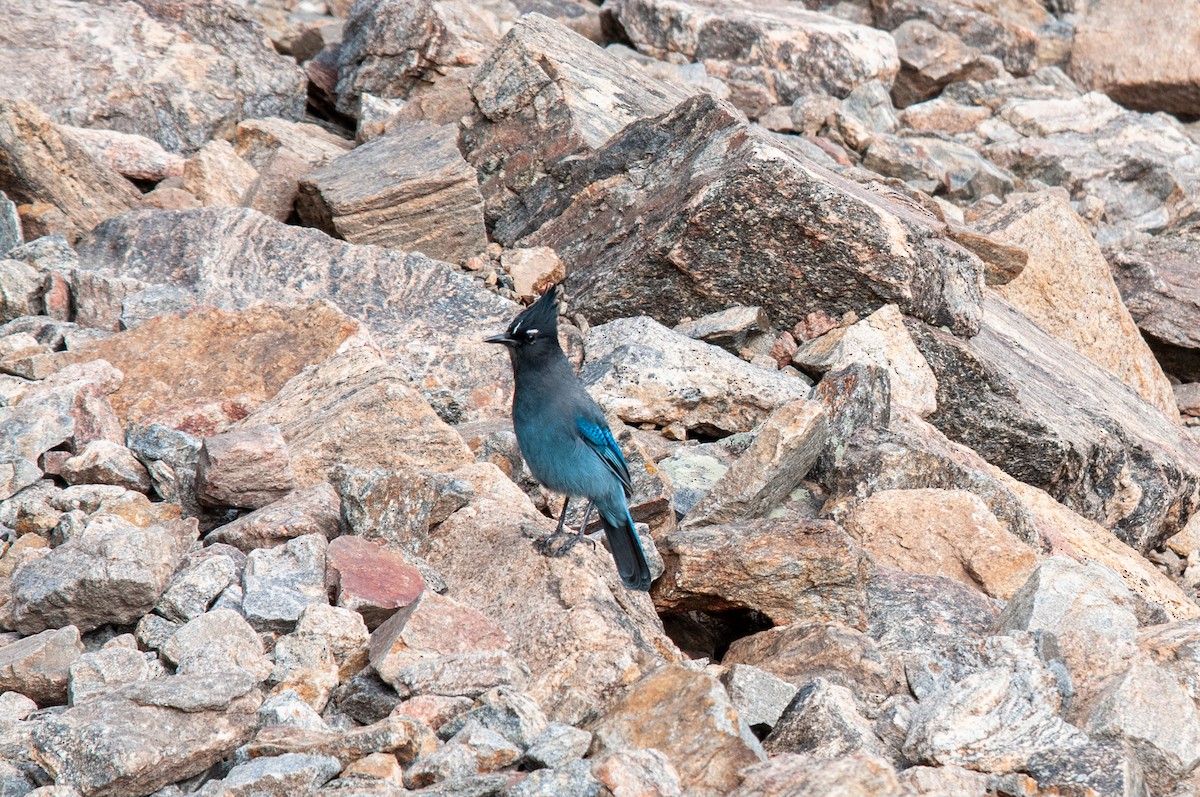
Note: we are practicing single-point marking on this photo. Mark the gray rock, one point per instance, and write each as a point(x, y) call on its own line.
point(288, 710)
point(511, 713)
point(310, 510)
point(106, 462)
point(36, 425)
point(556, 746)
point(1106, 767)
point(645, 373)
point(693, 471)
point(247, 468)
point(115, 744)
point(428, 319)
point(1072, 429)
point(215, 64)
point(38, 666)
point(737, 330)
point(195, 587)
point(279, 776)
point(573, 779)
point(937, 166)
point(791, 775)
point(473, 750)
point(279, 582)
point(217, 641)
point(171, 457)
point(153, 631)
point(929, 60)
point(397, 507)
point(97, 672)
point(639, 771)
point(10, 225)
point(13, 781)
point(1064, 596)
point(21, 287)
point(366, 698)
point(823, 720)
point(15, 706)
point(759, 697)
point(1008, 35)
point(114, 572)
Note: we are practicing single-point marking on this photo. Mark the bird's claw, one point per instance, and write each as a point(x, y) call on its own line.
point(560, 543)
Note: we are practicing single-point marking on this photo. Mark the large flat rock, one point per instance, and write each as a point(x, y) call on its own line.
point(429, 318)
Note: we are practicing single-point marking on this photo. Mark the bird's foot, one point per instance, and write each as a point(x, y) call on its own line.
point(560, 543)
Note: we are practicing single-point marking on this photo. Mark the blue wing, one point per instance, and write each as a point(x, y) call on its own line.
point(601, 440)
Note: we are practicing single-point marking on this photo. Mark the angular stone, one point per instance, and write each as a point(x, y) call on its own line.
point(334, 414)
point(247, 467)
point(787, 568)
point(10, 225)
point(823, 720)
point(932, 164)
point(401, 736)
point(573, 780)
point(170, 456)
point(1107, 767)
point(286, 709)
point(930, 59)
point(283, 152)
point(38, 164)
point(542, 96)
point(309, 510)
point(473, 750)
point(279, 583)
point(409, 190)
point(646, 373)
point(533, 270)
point(216, 641)
point(98, 672)
point(558, 744)
point(687, 716)
point(770, 56)
point(1072, 429)
point(702, 253)
point(114, 744)
point(637, 772)
point(304, 666)
point(398, 507)
point(38, 665)
point(341, 631)
point(759, 697)
point(279, 776)
point(784, 450)
point(1064, 264)
point(370, 579)
point(216, 175)
point(948, 533)
point(129, 155)
point(1175, 647)
point(114, 572)
point(879, 339)
point(582, 635)
point(238, 360)
point(1122, 50)
point(436, 711)
point(1006, 30)
point(429, 318)
point(21, 290)
point(106, 462)
point(194, 588)
point(217, 67)
point(1063, 596)
point(790, 775)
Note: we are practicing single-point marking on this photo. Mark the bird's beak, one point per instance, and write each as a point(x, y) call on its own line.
point(503, 339)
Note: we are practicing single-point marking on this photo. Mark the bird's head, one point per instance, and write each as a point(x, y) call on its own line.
point(536, 326)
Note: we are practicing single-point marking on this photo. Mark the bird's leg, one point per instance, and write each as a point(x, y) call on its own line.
point(561, 542)
point(587, 513)
point(562, 516)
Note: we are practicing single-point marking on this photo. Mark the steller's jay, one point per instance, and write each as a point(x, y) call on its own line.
point(565, 440)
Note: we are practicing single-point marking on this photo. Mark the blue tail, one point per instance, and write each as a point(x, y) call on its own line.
point(626, 549)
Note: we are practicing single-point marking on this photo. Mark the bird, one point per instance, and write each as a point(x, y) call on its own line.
point(566, 441)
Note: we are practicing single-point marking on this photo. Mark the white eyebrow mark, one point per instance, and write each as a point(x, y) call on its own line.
point(531, 332)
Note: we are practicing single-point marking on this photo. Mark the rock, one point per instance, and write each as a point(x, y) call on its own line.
point(822, 719)
point(106, 462)
point(935, 165)
point(114, 744)
point(194, 588)
point(1157, 282)
point(583, 636)
point(1072, 429)
point(1064, 596)
point(789, 775)
point(1103, 766)
point(429, 318)
point(400, 736)
point(216, 66)
point(769, 57)
point(220, 641)
point(948, 533)
point(10, 225)
point(341, 631)
point(310, 510)
point(38, 665)
point(788, 568)
point(533, 271)
point(279, 776)
point(129, 155)
point(1118, 50)
point(152, 631)
point(687, 716)
point(21, 290)
point(806, 651)
point(114, 572)
point(994, 720)
point(1148, 709)
point(637, 772)
point(759, 697)
point(370, 579)
point(238, 359)
point(395, 49)
point(930, 59)
point(247, 467)
point(280, 582)
point(304, 666)
point(170, 456)
point(1005, 30)
point(542, 96)
point(645, 373)
point(511, 713)
point(287, 710)
point(409, 190)
point(216, 175)
point(283, 152)
point(784, 450)
point(1064, 264)
point(41, 165)
point(358, 388)
point(15, 707)
point(573, 780)
point(557, 745)
point(735, 329)
point(436, 711)
point(398, 507)
point(472, 751)
point(929, 276)
point(879, 339)
point(37, 424)
point(95, 673)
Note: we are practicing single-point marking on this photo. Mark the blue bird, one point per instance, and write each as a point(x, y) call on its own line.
point(565, 440)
